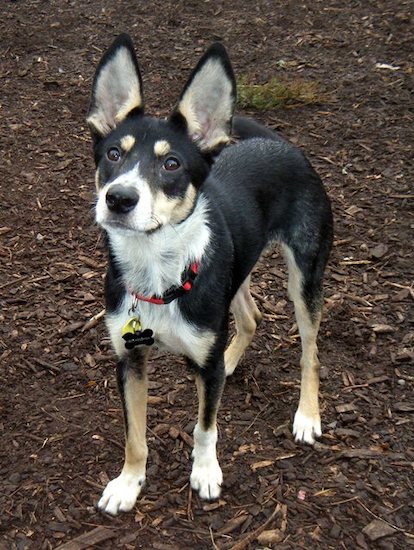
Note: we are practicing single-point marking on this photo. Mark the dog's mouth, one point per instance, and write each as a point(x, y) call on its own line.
point(119, 226)
point(153, 230)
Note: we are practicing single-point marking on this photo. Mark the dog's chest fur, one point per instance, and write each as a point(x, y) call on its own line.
point(172, 331)
point(150, 266)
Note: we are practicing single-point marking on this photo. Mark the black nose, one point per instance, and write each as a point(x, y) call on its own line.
point(121, 199)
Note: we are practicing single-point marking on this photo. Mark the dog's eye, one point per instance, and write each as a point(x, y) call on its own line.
point(171, 164)
point(113, 154)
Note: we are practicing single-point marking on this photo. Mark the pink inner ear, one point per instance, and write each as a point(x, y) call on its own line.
point(205, 122)
point(110, 114)
point(109, 105)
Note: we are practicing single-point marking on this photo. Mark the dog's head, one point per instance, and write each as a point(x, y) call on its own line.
point(149, 171)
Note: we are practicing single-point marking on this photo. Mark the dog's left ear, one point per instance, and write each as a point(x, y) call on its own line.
point(206, 104)
point(117, 88)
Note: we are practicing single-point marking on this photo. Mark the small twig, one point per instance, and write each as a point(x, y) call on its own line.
point(98, 486)
point(93, 321)
point(70, 397)
point(46, 365)
point(404, 376)
point(265, 303)
point(358, 299)
point(15, 281)
point(190, 514)
point(212, 539)
point(344, 501)
point(254, 419)
point(157, 437)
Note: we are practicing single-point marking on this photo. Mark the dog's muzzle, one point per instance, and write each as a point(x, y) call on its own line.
point(121, 199)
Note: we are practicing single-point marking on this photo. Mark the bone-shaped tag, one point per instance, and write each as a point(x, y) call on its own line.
point(139, 338)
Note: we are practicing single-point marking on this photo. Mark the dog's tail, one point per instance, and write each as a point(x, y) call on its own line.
point(245, 128)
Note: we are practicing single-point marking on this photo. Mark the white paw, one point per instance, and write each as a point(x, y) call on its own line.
point(121, 494)
point(206, 478)
point(306, 428)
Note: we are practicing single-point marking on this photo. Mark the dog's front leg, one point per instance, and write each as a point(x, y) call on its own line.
point(206, 475)
point(121, 493)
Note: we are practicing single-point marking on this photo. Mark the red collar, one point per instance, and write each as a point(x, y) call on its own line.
point(173, 292)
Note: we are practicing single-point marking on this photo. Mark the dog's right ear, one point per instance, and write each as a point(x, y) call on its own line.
point(117, 88)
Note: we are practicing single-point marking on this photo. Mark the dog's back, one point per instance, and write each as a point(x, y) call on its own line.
point(247, 128)
point(269, 191)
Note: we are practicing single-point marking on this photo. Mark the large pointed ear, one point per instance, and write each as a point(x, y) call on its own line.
point(207, 102)
point(117, 88)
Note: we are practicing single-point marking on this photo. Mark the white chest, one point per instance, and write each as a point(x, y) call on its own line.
point(171, 330)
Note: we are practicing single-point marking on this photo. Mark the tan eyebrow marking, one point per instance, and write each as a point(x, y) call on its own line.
point(127, 143)
point(161, 147)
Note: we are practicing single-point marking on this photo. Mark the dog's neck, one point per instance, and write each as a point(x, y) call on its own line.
point(151, 264)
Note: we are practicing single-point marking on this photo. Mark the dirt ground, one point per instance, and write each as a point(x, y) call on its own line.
point(61, 421)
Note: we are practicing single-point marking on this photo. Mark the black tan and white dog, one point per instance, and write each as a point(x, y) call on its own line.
point(188, 214)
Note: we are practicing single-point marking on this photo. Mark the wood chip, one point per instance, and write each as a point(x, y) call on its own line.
point(97, 535)
point(379, 251)
point(261, 464)
point(174, 432)
point(378, 529)
point(187, 438)
point(383, 329)
point(404, 407)
point(270, 536)
point(233, 524)
point(361, 453)
point(346, 407)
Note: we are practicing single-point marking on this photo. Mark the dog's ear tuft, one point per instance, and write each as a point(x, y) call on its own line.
point(117, 88)
point(207, 102)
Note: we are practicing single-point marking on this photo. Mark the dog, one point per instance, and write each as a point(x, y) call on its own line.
point(188, 211)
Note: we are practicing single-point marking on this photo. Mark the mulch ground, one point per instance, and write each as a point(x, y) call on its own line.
point(61, 422)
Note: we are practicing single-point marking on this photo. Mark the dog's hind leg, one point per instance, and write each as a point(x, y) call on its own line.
point(121, 493)
point(305, 289)
point(247, 317)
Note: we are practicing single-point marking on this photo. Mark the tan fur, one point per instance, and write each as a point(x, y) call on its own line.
point(201, 397)
point(247, 317)
point(161, 148)
point(136, 390)
point(127, 143)
point(308, 330)
point(174, 210)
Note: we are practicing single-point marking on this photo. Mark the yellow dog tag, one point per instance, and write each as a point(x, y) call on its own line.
point(132, 326)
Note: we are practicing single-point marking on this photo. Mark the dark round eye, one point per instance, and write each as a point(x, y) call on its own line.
point(113, 154)
point(171, 164)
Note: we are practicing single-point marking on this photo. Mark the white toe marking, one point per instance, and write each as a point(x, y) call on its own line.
point(121, 494)
point(306, 428)
point(206, 476)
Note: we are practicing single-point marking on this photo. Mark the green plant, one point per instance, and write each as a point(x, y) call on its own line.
point(278, 92)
